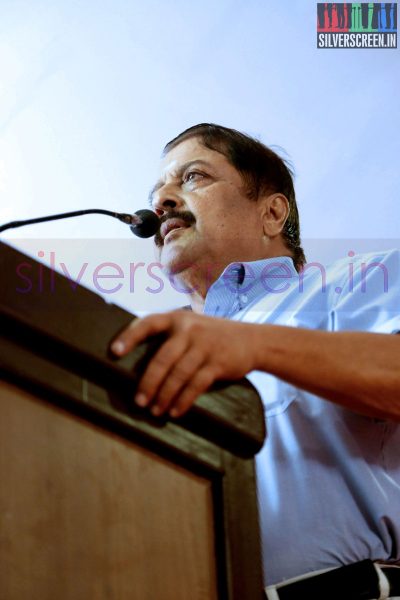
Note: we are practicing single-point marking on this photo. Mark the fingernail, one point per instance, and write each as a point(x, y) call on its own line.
point(118, 347)
point(141, 399)
point(156, 410)
point(173, 412)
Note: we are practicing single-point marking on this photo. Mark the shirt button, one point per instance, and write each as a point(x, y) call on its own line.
point(243, 298)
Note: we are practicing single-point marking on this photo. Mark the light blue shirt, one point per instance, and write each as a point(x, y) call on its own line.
point(328, 478)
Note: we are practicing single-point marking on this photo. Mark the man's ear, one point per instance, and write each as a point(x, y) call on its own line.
point(275, 211)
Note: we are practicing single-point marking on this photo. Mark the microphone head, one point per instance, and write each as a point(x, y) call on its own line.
point(149, 226)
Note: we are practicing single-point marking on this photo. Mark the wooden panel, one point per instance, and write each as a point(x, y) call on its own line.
point(85, 515)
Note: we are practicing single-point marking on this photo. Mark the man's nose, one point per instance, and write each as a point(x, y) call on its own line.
point(166, 199)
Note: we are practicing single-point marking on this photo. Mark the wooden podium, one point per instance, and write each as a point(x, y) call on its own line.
point(98, 499)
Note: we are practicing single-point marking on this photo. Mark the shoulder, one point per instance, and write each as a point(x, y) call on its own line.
point(365, 292)
point(366, 265)
point(365, 257)
point(352, 271)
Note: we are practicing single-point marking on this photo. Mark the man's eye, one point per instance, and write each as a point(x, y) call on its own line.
point(192, 176)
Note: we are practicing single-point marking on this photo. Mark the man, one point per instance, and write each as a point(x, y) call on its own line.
point(329, 473)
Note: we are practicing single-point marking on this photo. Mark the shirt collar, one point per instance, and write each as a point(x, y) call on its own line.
point(243, 282)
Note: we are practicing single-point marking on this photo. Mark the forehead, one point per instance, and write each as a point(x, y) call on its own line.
point(188, 151)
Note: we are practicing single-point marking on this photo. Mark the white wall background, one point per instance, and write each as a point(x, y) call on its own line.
point(91, 90)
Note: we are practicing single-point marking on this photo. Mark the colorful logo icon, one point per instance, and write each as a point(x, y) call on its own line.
point(357, 25)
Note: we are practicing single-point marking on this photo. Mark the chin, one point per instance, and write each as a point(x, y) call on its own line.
point(174, 267)
point(169, 259)
point(175, 262)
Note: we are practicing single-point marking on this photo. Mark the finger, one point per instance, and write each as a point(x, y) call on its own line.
point(159, 368)
point(197, 386)
point(138, 330)
point(180, 375)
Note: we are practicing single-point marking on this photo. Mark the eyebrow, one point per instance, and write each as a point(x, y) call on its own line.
point(180, 171)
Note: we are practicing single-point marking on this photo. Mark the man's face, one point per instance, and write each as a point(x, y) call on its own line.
point(207, 218)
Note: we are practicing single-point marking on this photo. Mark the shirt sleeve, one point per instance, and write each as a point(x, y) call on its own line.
point(370, 294)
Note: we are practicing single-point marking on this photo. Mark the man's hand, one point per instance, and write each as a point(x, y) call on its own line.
point(198, 351)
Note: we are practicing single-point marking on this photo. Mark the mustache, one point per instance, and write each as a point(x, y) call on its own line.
point(185, 215)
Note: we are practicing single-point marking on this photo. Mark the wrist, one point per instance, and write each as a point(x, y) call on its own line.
point(260, 349)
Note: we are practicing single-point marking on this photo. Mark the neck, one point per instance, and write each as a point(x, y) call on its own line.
point(198, 279)
point(197, 303)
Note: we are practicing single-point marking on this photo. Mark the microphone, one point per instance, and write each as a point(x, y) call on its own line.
point(144, 223)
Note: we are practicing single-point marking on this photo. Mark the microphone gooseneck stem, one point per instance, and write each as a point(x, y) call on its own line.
point(124, 217)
